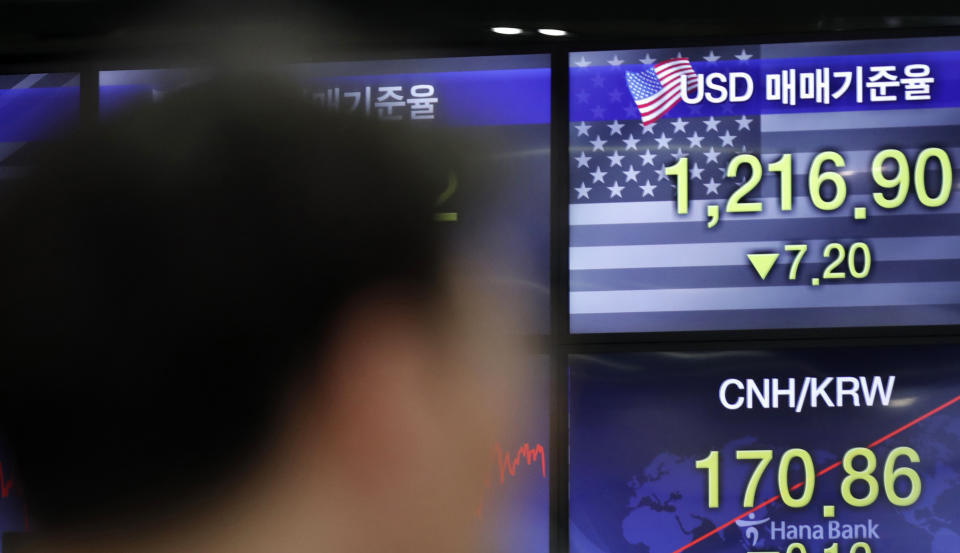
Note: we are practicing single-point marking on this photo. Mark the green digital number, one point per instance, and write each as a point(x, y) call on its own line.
point(859, 260)
point(735, 203)
point(711, 463)
point(796, 548)
point(854, 475)
point(801, 249)
point(901, 181)
point(680, 170)
point(890, 476)
point(817, 177)
point(860, 547)
point(830, 271)
point(763, 458)
point(784, 166)
point(809, 480)
point(864, 269)
point(946, 177)
point(447, 216)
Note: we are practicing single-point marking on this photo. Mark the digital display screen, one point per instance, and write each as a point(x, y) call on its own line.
point(774, 186)
point(500, 103)
point(830, 449)
point(123, 88)
point(33, 107)
point(515, 513)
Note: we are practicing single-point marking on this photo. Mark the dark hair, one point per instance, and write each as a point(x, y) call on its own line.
point(168, 274)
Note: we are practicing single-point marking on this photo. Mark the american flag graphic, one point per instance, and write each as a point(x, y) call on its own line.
point(658, 88)
point(638, 266)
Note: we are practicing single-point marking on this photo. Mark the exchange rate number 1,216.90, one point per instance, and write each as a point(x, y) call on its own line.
point(820, 174)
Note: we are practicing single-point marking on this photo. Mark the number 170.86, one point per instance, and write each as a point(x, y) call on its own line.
point(860, 456)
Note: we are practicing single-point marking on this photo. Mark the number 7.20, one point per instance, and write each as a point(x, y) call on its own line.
point(857, 256)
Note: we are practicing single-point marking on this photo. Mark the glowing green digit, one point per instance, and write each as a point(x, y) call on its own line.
point(818, 177)
point(890, 476)
point(711, 463)
point(864, 269)
point(763, 458)
point(796, 547)
point(830, 270)
point(679, 170)
point(800, 249)
point(901, 181)
point(784, 166)
point(734, 204)
point(853, 475)
point(809, 479)
point(835, 548)
point(946, 178)
point(449, 216)
point(861, 547)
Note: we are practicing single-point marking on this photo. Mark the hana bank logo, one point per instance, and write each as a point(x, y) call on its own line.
point(749, 527)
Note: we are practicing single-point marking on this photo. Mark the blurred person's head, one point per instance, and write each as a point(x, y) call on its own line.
point(227, 322)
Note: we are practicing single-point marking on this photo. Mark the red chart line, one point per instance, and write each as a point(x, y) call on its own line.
point(507, 463)
point(531, 454)
point(821, 473)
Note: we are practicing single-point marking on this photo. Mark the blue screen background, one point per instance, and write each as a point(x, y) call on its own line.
point(639, 422)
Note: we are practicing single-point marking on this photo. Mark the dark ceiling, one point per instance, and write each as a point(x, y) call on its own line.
point(122, 33)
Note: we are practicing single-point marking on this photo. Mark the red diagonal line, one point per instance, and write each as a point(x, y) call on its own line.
point(821, 473)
